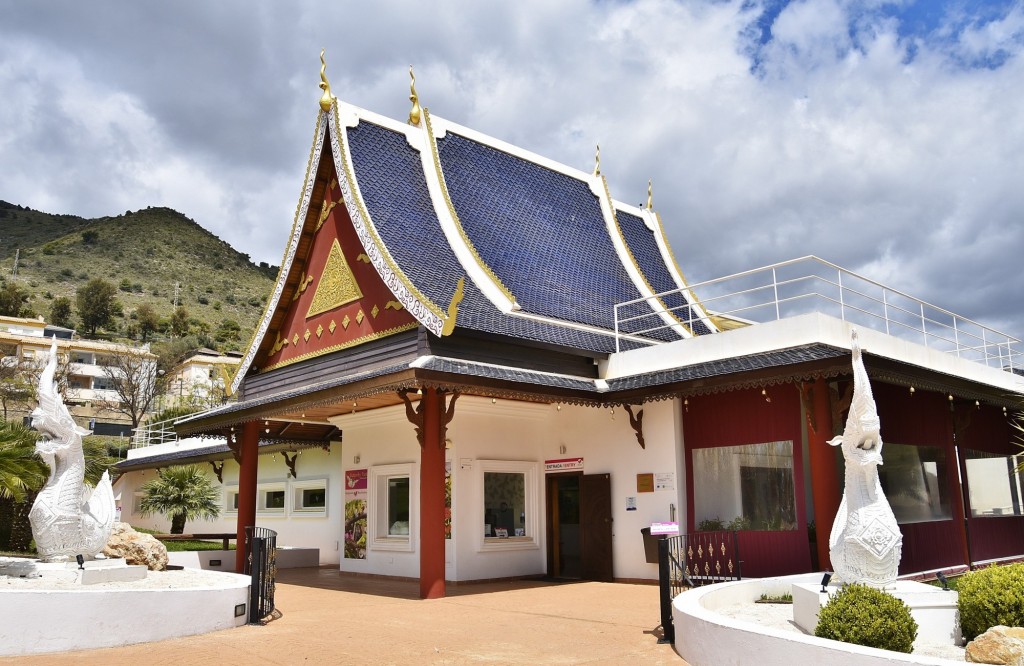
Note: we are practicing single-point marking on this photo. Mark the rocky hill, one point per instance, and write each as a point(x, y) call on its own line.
point(151, 255)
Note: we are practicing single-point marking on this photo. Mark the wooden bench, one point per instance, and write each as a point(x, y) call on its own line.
point(225, 537)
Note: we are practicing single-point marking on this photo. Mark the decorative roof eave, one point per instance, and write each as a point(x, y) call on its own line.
point(483, 276)
point(301, 211)
point(654, 223)
point(429, 314)
point(212, 453)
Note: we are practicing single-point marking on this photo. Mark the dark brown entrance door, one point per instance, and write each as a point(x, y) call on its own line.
point(596, 526)
point(579, 512)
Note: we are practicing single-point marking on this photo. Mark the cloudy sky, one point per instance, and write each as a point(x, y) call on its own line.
point(887, 137)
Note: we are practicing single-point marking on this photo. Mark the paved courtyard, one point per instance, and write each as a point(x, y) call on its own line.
point(329, 618)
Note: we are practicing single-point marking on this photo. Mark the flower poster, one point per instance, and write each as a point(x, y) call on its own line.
point(355, 514)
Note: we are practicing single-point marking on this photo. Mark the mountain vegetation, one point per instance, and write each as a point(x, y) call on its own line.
point(147, 275)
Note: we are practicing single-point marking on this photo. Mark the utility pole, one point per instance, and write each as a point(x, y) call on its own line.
point(177, 286)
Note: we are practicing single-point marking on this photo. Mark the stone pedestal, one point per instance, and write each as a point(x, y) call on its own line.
point(934, 610)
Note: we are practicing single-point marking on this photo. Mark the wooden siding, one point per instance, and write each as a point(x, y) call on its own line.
point(497, 350)
point(386, 351)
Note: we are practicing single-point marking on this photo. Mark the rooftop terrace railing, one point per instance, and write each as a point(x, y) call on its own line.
point(809, 284)
point(151, 434)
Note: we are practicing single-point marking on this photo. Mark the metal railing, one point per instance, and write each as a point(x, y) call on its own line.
point(151, 434)
point(693, 560)
point(809, 284)
point(261, 564)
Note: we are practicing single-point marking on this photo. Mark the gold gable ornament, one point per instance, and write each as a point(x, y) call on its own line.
point(337, 284)
point(327, 99)
point(414, 113)
point(453, 307)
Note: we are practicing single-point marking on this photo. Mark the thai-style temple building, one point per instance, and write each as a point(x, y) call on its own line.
point(477, 364)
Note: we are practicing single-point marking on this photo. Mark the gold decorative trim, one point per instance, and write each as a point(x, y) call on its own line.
point(319, 331)
point(305, 336)
point(344, 345)
point(455, 216)
point(331, 327)
point(597, 161)
point(363, 258)
point(636, 265)
point(650, 194)
point(325, 210)
point(295, 339)
point(304, 282)
point(393, 305)
point(337, 285)
point(278, 344)
point(360, 317)
point(349, 174)
point(453, 307)
point(375, 311)
point(345, 322)
point(682, 276)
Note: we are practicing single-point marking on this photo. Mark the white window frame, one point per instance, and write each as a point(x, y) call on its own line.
point(229, 506)
point(261, 498)
point(529, 470)
point(379, 539)
point(136, 503)
point(297, 487)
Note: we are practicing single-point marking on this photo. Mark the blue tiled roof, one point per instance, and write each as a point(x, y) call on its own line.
point(542, 232)
point(391, 181)
point(645, 250)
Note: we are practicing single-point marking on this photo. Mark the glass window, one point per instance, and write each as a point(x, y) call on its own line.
point(505, 504)
point(994, 483)
point(509, 515)
point(398, 506)
point(392, 516)
point(274, 499)
point(914, 481)
point(746, 487)
point(310, 497)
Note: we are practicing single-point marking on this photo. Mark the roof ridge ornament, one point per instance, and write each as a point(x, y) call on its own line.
point(415, 112)
point(597, 161)
point(327, 98)
point(650, 194)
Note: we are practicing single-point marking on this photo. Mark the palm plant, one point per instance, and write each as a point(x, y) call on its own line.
point(180, 493)
point(21, 470)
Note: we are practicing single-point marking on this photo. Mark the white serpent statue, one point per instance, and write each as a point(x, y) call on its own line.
point(866, 544)
point(68, 518)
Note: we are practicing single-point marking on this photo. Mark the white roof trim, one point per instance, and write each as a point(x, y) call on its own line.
point(289, 254)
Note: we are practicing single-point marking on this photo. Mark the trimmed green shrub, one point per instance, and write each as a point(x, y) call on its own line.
point(990, 597)
point(867, 616)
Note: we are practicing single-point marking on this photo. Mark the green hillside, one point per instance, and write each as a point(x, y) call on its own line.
point(146, 254)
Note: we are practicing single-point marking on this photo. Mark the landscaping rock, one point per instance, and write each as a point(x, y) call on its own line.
point(998, 645)
point(136, 547)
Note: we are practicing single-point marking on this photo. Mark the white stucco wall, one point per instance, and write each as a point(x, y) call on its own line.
point(483, 435)
point(294, 528)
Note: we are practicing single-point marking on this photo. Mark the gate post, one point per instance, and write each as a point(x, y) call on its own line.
point(668, 630)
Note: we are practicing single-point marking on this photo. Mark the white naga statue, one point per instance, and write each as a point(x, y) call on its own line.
point(866, 544)
point(68, 518)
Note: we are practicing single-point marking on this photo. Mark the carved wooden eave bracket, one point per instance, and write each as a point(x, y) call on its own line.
point(290, 462)
point(636, 422)
point(235, 445)
point(416, 415)
point(218, 469)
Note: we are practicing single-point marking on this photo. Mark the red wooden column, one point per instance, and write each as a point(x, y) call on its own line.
point(824, 475)
point(432, 496)
point(248, 462)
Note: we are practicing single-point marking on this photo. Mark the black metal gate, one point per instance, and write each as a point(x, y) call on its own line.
point(261, 564)
point(692, 560)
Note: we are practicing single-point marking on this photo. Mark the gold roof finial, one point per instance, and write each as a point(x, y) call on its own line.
point(327, 98)
point(414, 112)
point(597, 161)
point(650, 194)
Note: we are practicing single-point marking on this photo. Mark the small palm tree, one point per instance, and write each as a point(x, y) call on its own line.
point(181, 493)
point(21, 470)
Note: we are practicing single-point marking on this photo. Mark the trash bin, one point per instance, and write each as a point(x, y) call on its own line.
point(651, 544)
